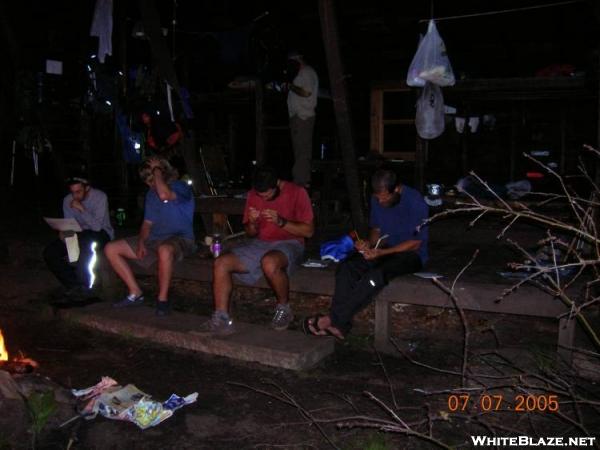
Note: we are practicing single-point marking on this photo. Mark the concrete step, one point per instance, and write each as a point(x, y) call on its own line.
point(256, 343)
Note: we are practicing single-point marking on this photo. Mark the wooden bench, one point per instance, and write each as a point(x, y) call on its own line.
point(411, 290)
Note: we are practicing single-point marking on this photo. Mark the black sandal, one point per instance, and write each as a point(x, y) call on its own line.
point(306, 324)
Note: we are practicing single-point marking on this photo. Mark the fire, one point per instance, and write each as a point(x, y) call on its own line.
point(3, 352)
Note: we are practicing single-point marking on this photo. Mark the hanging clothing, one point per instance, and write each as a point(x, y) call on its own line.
point(102, 25)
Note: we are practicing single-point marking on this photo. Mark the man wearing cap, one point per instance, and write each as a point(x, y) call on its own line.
point(397, 245)
point(89, 207)
point(301, 101)
point(166, 234)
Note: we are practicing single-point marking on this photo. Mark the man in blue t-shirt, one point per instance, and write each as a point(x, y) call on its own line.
point(166, 235)
point(396, 246)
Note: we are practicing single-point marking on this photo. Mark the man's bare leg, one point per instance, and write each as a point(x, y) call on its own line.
point(166, 256)
point(274, 265)
point(117, 253)
point(223, 268)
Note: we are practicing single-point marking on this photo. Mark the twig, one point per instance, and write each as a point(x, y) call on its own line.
point(392, 394)
point(461, 313)
point(288, 399)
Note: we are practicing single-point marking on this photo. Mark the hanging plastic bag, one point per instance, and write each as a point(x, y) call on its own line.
point(430, 112)
point(431, 62)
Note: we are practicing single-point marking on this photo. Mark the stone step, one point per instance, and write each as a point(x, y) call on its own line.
point(255, 343)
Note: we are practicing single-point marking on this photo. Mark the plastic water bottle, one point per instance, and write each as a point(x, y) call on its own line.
point(215, 248)
point(120, 216)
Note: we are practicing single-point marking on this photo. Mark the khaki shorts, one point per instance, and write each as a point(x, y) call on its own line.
point(183, 247)
point(250, 253)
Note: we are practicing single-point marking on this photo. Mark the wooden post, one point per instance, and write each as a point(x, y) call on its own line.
point(563, 140)
point(464, 140)
point(513, 144)
point(420, 160)
point(232, 127)
point(121, 19)
point(260, 122)
point(342, 111)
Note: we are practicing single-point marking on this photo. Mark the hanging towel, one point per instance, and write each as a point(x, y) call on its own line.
point(102, 25)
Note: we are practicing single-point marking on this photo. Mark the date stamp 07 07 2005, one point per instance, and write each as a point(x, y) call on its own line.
point(497, 402)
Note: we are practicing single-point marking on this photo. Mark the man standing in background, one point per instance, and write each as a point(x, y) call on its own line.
point(301, 101)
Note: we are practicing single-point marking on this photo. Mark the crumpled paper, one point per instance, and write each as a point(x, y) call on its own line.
point(113, 401)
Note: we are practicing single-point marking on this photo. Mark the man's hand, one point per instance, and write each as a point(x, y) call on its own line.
point(141, 250)
point(154, 162)
point(253, 214)
point(372, 253)
point(76, 204)
point(270, 215)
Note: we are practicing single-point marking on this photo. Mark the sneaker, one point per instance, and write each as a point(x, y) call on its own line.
point(130, 300)
point(282, 318)
point(163, 308)
point(218, 324)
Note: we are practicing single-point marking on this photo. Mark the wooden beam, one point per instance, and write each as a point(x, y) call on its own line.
point(377, 120)
point(342, 111)
point(260, 123)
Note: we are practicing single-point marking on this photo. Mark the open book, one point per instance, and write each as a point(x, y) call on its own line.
point(63, 224)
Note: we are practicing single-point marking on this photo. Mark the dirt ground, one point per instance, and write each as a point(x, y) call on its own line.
point(315, 408)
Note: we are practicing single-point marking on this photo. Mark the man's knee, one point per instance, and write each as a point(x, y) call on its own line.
point(224, 264)
point(165, 252)
point(272, 264)
point(111, 249)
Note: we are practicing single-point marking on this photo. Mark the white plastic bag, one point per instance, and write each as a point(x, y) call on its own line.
point(431, 62)
point(429, 120)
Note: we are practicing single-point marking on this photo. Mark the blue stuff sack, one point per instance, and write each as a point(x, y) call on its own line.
point(338, 249)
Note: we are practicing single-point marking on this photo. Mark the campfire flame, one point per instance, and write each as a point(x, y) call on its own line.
point(21, 359)
point(3, 352)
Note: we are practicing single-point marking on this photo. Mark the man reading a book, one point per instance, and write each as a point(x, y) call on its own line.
point(89, 207)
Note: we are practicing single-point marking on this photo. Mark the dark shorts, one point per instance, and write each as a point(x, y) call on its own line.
point(252, 251)
point(183, 247)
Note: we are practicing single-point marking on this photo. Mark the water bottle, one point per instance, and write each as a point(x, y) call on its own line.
point(215, 247)
point(120, 216)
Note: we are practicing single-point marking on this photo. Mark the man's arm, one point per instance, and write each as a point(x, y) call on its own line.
point(143, 237)
point(406, 246)
point(298, 90)
point(300, 229)
point(96, 212)
point(163, 190)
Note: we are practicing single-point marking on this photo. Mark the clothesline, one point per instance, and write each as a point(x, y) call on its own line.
point(502, 11)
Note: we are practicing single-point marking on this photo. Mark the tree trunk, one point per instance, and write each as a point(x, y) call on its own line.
point(342, 112)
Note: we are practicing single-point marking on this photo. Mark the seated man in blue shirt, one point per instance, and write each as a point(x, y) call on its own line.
point(396, 211)
point(166, 235)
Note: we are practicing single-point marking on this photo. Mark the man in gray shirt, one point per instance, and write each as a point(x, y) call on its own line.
point(302, 101)
point(89, 207)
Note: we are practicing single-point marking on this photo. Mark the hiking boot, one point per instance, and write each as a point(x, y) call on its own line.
point(163, 308)
point(130, 300)
point(282, 318)
point(219, 323)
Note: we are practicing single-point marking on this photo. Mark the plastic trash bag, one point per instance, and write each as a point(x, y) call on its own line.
point(431, 62)
point(429, 120)
point(338, 249)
